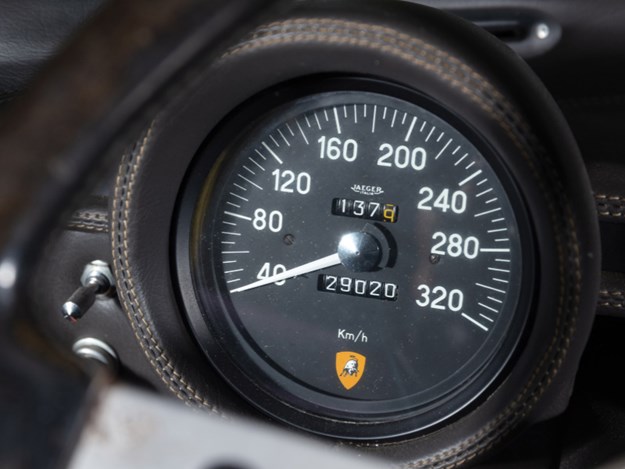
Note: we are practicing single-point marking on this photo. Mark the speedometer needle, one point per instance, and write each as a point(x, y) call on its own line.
point(318, 264)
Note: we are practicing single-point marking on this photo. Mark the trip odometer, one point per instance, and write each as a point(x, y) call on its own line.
point(359, 258)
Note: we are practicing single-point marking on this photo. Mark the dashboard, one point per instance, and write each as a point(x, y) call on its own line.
point(383, 226)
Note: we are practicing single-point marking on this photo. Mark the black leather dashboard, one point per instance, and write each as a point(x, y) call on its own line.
point(577, 53)
point(30, 32)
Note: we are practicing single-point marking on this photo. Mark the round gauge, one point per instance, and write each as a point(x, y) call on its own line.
point(360, 258)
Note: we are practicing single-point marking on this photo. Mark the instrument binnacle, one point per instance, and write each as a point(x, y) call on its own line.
point(359, 256)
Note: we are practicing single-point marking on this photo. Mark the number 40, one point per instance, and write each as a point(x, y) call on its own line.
point(267, 271)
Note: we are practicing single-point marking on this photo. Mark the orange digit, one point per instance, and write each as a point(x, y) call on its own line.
point(389, 213)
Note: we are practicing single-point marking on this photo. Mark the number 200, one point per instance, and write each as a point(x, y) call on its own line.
point(402, 157)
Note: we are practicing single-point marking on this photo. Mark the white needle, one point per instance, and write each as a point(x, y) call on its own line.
point(319, 264)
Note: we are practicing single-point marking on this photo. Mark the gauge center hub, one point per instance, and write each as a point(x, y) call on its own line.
point(359, 251)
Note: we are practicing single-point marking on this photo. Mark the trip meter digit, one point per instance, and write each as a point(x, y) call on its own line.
point(359, 257)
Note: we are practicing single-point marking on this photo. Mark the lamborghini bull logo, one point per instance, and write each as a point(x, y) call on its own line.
point(350, 367)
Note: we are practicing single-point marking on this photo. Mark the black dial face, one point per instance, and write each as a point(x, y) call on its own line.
point(359, 258)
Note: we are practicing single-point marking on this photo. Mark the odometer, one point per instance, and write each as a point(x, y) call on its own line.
point(359, 256)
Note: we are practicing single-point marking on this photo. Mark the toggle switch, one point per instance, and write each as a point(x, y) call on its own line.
point(97, 279)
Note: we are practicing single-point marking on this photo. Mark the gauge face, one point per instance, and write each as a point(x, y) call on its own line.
point(359, 258)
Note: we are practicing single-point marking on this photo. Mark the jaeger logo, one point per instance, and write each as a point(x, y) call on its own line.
point(367, 190)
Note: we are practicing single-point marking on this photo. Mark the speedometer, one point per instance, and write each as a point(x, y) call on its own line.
point(359, 257)
point(371, 224)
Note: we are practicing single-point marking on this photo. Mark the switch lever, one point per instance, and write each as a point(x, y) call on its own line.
point(96, 279)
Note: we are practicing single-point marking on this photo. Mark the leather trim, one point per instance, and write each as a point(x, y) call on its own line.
point(585, 102)
point(89, 221)
point(612, 299)
point(459, 75)
point(142, 327)
point(7, 98)
point(31, 31)
point(612, 206)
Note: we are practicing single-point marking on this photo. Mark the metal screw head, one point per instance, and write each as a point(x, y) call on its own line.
point(95, 349)
point(434, 258)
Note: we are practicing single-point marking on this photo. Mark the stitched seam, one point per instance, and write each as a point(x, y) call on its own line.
point(612, 298)
point(158, 358)
point(501, 110)
point(610, 205)
point(89, 215)
point(478, 90)
point(88, 228)
point(89, 221)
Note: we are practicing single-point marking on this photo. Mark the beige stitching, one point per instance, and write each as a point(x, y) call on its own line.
point(85, 220)
point(85, 227)
point(142, 329)
point(610, 205)
point(501, 110)
point(89, 215)
point(347, 32)
point(476, 88)
point(612, 299)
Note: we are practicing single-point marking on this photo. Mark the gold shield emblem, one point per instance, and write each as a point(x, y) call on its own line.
point(350, 366)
